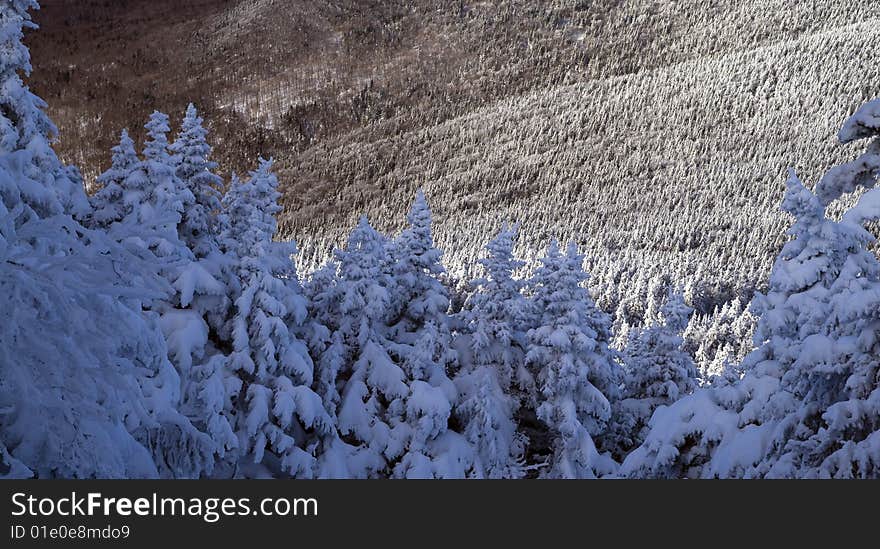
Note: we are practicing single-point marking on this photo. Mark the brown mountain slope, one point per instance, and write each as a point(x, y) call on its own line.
point(654, 128)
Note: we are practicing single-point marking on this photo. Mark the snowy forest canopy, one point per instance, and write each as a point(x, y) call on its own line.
point(157, 329)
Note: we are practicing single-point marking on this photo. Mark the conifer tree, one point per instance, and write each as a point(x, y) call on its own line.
point(493, 379)
point(421, 342)
point(26, 132)
point(574, 368)
point(154, 196)
point(805, 404)
point(278, 418)
point(418, 296)
point(372, 382)
point(657, 373)
point(195, 169)
point(79, 358)
point(109, 204)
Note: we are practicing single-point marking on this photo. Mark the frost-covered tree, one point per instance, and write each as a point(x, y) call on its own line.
point(576, 375)
point(278, 418)
point(835, 369)
point(371, 381)
point(82, 367)
point(26, 131)
point(140, 206)
point(657, 373)
point(195, 320)
point(194, 167)
point(418, 296)
point(421, 343)
point(322, 291)
point(421, 419)
point(109, 204)
point(169, 197)
point(493, 379)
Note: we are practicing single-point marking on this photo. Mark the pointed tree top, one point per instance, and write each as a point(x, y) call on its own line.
point(363, 253)
point(156, 146)
point(420, 213)
point(125, 146)
point(500, 250)
point(158, 124)
point(264, 166)
point(192, 129)
point(364, 236)
point(124, 155)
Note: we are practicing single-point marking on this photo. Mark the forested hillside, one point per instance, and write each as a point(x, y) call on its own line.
point(653, 133)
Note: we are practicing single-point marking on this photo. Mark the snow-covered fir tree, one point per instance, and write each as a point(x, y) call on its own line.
point(323, 335)
point(169, 197)
point(493, 379)
point(25, 130)
point(279, 419)
point(574, 368)
point(657, 373)
point(81, 363)
point(140, 205)
point(421, 342)
point(806, 405)
point(366, 381)
point(418, 296)
point(109, 204)
point(194, 167)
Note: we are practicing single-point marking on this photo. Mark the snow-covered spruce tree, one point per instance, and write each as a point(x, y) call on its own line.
point(421, 342)
point(806, 405)
point(109, 204)
point(367, 381)
point(169, 197)
point(195, 169)
point(418, 296)
point(836, 372)
point(77, 352)
point(195, 321)
point(26, 131)
point(493, 378)
point(657, 373)
point(574, 368)
point(279, 420)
